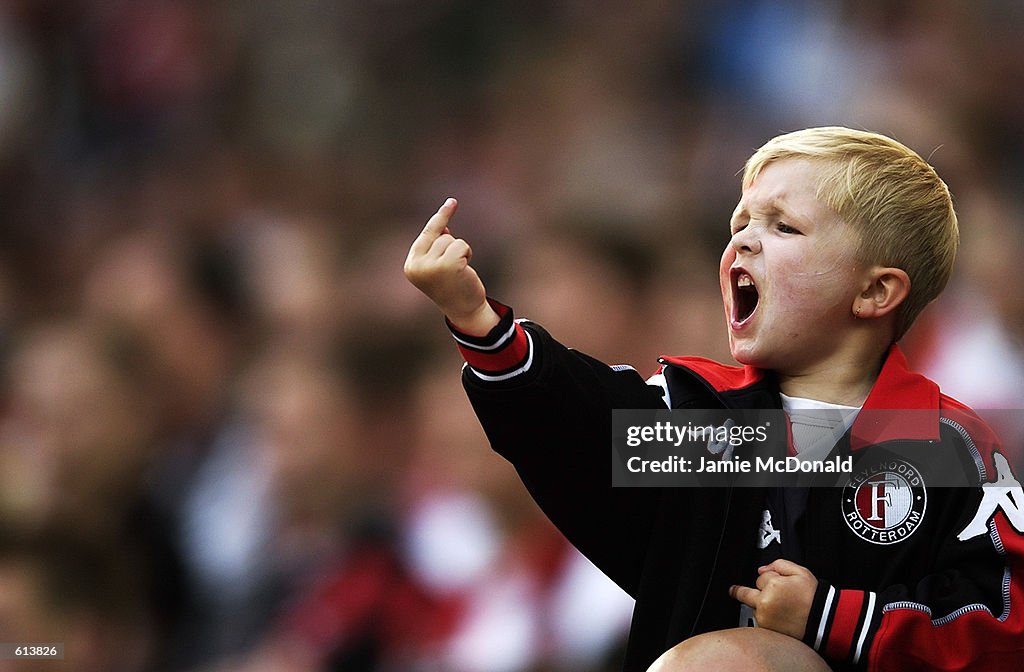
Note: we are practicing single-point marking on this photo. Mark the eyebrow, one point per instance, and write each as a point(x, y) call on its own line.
point(771, 209)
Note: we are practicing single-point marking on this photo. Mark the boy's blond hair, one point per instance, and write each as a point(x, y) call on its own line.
point(897, 201)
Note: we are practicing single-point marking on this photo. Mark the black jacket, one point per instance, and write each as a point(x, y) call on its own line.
point(943, 591)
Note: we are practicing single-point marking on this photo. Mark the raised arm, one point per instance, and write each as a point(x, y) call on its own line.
point(544, 407)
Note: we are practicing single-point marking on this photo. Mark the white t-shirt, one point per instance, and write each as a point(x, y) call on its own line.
point(817, 425)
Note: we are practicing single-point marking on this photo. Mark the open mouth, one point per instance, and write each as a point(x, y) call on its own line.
point(744, 295)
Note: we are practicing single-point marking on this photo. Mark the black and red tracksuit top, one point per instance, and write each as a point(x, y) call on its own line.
point(949, 596)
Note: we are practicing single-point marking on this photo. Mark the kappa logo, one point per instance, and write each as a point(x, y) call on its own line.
point(768, 533)
point(885, 503)
point(1002, 494)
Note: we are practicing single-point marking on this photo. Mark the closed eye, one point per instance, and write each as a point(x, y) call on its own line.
point(782, 227)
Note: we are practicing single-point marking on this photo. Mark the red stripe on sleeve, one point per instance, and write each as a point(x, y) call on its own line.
point(511, 355)
point(844, 625)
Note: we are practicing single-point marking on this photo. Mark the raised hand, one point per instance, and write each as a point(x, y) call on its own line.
point(438, 265)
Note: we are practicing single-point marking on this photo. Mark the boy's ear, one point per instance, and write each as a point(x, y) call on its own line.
point(885, 291)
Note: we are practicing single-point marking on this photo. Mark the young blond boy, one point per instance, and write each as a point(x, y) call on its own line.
point(839, 240)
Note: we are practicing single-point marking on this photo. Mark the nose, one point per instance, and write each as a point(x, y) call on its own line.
point(746, 240)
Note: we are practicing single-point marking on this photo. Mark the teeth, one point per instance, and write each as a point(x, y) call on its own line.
point(744, 281)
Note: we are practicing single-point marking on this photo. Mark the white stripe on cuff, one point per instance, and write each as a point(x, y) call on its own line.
point(513, 373)
point(501, 341)
point(824, 616)
point(866, 627)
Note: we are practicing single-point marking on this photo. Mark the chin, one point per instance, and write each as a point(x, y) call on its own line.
point(751, 361)
point(748, 355)
point(744, 355)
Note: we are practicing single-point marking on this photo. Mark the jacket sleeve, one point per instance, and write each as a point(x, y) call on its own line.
point(548, 410)
point(968, 614)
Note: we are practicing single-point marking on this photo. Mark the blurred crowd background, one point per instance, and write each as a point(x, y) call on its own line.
point(232, 438)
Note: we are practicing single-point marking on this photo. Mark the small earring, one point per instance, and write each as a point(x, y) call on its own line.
point(857, 314)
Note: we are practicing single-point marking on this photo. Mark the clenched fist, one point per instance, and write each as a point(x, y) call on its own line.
point(438, 265)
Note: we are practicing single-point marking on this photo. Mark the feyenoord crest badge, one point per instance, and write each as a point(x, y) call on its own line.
point(886, 502)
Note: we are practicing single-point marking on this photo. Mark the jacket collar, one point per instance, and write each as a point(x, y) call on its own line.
point(896, 389)
point(721, 377)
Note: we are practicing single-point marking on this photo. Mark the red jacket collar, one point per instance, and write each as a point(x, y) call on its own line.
point(896, 389)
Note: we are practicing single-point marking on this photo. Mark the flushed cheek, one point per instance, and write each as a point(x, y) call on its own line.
point(809, 298)
point(821, 265)
point(815, 270)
